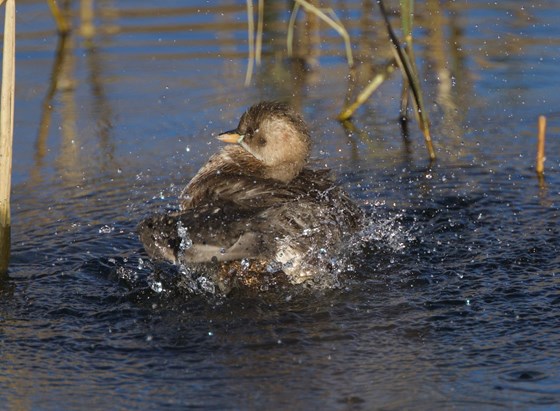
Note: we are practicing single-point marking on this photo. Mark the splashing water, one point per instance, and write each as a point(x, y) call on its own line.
point(324, 264)
point(186, 241)
point(386, 232)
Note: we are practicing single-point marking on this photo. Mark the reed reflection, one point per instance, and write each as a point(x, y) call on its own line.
point(64, 50)
point(101, 107)
point(60, 98)
point(438, 52)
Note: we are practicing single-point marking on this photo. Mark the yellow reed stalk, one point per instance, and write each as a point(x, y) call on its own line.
point(62, 23)
point(540, 145)
point(251, 41)
point(87, 14)
point(260, 27)
point(368, 91)
point(7, 130)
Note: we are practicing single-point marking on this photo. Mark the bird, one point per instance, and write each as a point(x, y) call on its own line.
point(256, 215)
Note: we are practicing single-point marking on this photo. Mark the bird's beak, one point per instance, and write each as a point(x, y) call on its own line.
point(231, 137)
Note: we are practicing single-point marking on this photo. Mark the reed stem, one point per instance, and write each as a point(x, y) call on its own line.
point(7, 131)
point(410, 75)
point(407, 14)
point(540, 145)
point(62, 23)
point(251, 41)
point(87, 15)
point(291, 24)
point(368, 91)
point(260, 28)
point(334, 23)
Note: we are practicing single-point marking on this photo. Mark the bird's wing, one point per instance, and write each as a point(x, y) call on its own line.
point(251, 191)
point(206, 232)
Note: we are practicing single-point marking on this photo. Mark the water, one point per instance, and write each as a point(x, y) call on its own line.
point(452, 304)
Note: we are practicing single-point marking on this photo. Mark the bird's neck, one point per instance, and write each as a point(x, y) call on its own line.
point(284, 172)
point(240, 161)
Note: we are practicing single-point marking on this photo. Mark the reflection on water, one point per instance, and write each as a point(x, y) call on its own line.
point(452, 303)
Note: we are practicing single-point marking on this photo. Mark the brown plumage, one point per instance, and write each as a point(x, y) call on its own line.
point(255, 202)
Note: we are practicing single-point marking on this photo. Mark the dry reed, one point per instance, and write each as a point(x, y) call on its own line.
point(7, 130)
point(331, 20)
point(540, 145)
point(251, 41)
point(62, 24)
point(379, 78)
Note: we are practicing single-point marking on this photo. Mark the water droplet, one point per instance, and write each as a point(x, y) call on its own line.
point(106, 229)
point(186, 242)
point(288, 264)
point(156, 286)
point(206, 285)
point(273, 267)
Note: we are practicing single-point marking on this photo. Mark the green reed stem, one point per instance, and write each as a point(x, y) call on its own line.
point(410, 75)
point(407, 15)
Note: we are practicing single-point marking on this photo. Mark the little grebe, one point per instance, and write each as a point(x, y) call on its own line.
point(253, 209)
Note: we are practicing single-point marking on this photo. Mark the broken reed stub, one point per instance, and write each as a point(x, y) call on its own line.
point(540, 145)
